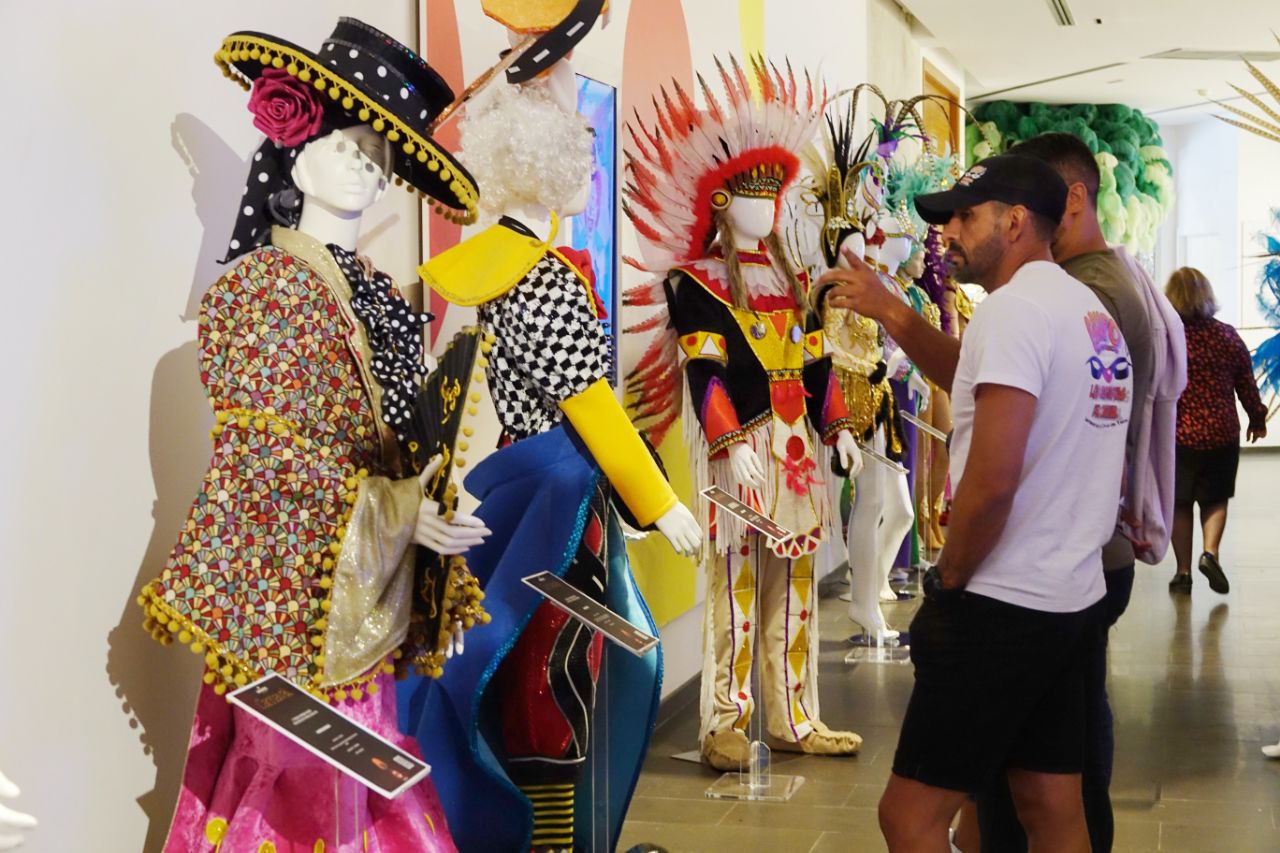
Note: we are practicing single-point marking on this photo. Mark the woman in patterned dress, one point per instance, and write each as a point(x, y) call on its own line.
point(1219, 369)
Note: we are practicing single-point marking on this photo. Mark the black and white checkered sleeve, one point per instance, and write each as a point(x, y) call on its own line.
point(563, 345)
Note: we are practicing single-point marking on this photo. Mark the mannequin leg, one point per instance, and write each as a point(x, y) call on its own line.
point(788, 659)
point(939, 464)
point(787, 680)
point(865, 579)
point(729, 643)
point(896, 517)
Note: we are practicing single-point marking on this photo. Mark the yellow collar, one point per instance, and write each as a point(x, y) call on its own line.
point(484, 267)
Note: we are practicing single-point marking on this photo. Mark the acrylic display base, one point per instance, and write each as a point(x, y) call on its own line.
point(870, 648)
point(757, 783)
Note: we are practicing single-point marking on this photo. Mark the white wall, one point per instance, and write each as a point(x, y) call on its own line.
point(125, 152)
point(1205, 224)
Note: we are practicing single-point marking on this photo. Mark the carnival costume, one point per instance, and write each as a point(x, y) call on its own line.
point(513, 731)
point(296, 558)
point(734, 333)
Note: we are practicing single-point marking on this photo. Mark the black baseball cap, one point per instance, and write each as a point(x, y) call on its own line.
point(1008, 178)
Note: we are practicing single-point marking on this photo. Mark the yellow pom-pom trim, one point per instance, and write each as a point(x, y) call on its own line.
point(215, 830)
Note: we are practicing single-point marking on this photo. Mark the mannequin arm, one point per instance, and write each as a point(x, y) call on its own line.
point(604, 427)
point(700, 323)
point(827, 409)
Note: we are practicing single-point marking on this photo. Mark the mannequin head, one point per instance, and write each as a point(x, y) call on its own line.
point(898, 244)
point(856, 245)
point(914, 266)
point(344, 172)
point(743, 226)
point(750, 220)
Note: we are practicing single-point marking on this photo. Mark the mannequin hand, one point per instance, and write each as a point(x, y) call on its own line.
point(850, 455)
point(681, 530)
point(746, 466)
point(917, 383)
point(457, 643)
point(445, 537)
point(13, 824)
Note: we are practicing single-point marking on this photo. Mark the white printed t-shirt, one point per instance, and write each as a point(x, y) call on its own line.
point(1047, 334)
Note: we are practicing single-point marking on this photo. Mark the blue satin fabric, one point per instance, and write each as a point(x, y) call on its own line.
point(534, 497)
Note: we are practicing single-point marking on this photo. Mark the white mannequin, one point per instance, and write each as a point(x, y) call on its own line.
point(341, 176)
point(750, 221)
point(13, 824)
point(882, 513)
point(677, 524)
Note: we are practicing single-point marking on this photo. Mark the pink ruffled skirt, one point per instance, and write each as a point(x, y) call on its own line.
point(249, 789)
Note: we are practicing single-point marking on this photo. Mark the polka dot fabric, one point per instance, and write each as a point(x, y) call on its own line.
point(394, 333)
point(249, 578)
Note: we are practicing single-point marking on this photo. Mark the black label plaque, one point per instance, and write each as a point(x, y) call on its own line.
point(364, 756)
point(758, 520)
point(590, 613)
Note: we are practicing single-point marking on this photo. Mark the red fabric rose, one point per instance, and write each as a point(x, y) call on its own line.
point(286, 109)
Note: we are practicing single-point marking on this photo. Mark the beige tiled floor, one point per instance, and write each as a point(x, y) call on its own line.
point(1195, 687)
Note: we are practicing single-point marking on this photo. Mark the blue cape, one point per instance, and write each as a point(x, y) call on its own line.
point(534, 496)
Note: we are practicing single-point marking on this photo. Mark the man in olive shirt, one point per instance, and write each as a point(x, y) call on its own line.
point(1080, 249)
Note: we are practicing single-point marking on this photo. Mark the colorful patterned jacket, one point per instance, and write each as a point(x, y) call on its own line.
point(302, 519)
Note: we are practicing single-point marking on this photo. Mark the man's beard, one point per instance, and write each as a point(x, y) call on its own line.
point(978, 265)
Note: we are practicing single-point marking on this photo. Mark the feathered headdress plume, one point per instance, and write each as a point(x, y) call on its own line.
point(745, 141)
point(1267, 128)
point(684, 168)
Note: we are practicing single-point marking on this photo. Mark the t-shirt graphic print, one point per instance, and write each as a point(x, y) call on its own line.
point(1109, 366)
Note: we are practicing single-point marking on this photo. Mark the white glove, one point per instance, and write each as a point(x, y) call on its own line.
point(850, 456)
point(746, 466)
point(461, 534)
point(681, 530)
point(13, 824)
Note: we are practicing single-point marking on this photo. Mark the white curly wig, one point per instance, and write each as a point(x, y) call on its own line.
point(522, 148)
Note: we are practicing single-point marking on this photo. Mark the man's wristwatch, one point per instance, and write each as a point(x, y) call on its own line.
point(934, 589)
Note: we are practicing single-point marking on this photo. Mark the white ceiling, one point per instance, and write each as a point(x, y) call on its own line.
point(1009, 44)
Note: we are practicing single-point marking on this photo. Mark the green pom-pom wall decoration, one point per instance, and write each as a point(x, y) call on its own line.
point(1137, 191)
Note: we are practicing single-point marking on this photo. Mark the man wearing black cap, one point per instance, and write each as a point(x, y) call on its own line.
point(1041, 392)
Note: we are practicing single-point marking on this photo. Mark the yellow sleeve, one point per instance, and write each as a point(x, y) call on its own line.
point(617, 448)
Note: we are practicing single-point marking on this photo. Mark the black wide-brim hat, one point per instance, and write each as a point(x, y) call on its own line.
point(366, 76)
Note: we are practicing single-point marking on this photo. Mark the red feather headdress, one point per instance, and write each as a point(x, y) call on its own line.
point(745, 144)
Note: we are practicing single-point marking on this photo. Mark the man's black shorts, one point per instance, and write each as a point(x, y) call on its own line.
point(997, 686)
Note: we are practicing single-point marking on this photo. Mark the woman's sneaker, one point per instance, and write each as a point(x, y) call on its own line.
point(1212, 569)
point(1180, 583)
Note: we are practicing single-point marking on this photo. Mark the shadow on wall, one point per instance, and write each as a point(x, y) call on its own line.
point(157, 686)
